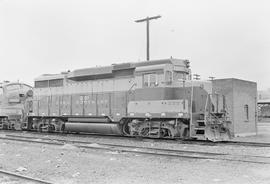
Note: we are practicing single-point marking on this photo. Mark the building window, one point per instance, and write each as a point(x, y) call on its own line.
point(246, 112)
point(150, 80)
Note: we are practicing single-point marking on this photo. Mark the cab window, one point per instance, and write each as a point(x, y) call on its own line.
point(179, 76)
point(168, 77)
point(13, 87)
point(150, 80)
point(25, 88)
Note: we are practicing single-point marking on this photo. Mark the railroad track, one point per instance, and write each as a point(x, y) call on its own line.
point(180, 141)
point(143, 150)
point(254, 144)
point(18, 178)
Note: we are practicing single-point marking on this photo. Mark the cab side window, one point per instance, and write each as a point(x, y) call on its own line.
point(145, 80)
point(179, 76)
point(150, 80)
point(168, 77)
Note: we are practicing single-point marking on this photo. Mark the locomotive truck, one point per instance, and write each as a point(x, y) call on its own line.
point(154, 99)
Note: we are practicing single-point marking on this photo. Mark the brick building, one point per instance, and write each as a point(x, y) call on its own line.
point(241, 103)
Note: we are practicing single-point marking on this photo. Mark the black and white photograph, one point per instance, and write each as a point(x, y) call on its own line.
point(134, 91)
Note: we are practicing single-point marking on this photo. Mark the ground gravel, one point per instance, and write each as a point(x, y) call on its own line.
point(69, 164)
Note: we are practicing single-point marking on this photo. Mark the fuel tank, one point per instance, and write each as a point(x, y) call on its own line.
point(94, 127)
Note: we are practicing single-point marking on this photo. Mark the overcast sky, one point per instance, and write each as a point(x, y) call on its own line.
point(221, 38)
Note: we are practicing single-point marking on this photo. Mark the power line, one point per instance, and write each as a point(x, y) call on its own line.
point(147, 19)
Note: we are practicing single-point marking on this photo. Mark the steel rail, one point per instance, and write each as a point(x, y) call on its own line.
point(145, 139)
point(246, 143)
point(135, 147)
point(16, 175)
point(172, 141)
point(118, 145)
point(143, 150)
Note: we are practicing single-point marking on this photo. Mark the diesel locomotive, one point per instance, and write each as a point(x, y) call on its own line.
point(154, 99)
point(15, 104)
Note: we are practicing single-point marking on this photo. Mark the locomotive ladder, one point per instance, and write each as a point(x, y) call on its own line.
point(211, 124)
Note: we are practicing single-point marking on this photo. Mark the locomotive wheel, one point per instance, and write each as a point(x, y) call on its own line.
point(39, 129)
point(51, 128)
point(5, 127)
point(141, 127)
point(144, 132)
point(62, 128)
point(43, 128)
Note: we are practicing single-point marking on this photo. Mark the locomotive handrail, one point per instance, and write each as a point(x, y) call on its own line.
point(205, 108)
point(134, 84)
point(191, 102)
point(212, 115)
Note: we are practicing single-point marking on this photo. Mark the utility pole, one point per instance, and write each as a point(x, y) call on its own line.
point(147, 19)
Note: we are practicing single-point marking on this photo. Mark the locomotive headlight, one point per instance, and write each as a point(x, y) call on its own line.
point(163, 114)
point(180, 114)
point(147, 114)
point(131, 114)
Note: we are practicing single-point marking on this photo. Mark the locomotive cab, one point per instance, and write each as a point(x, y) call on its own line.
point(167, 103)
point(16, 103)
point(162, 74)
